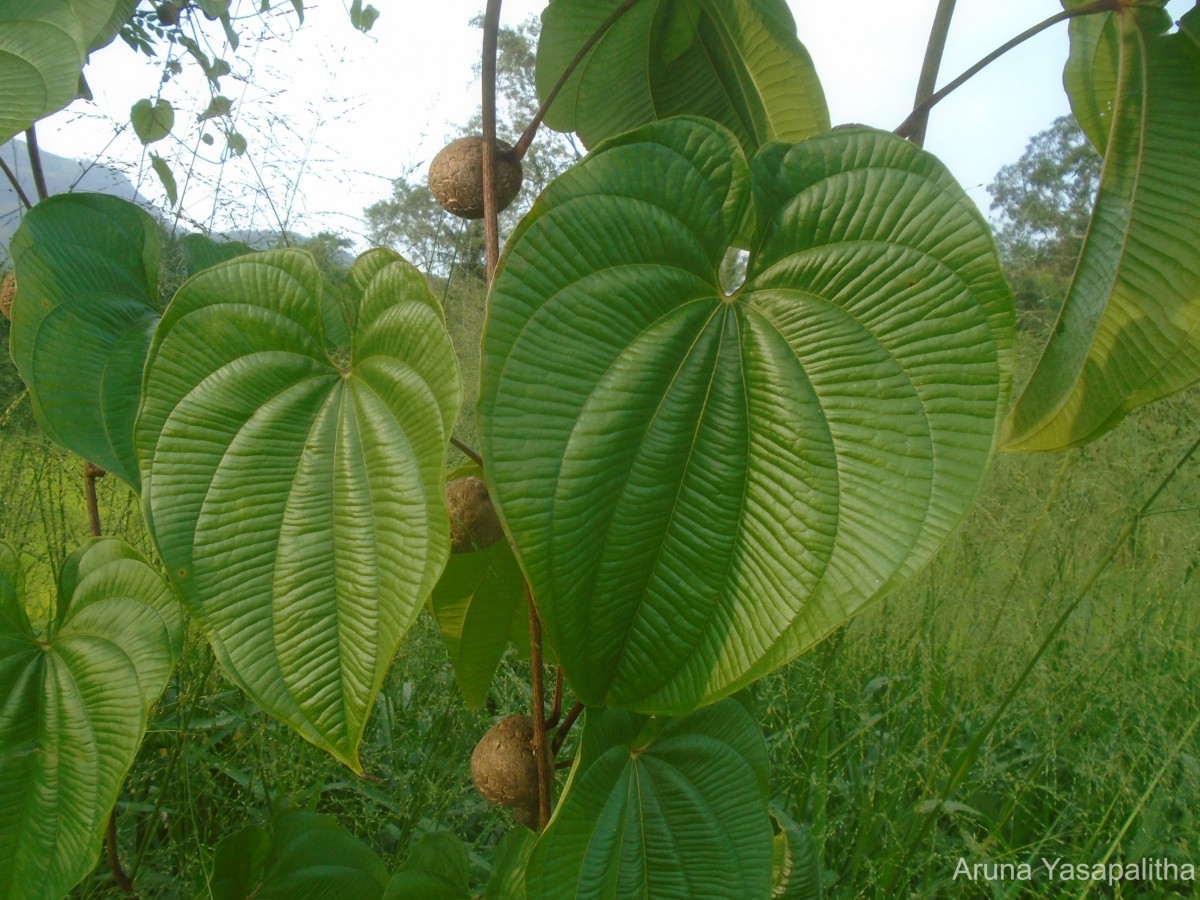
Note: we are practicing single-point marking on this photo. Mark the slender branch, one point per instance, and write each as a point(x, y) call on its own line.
point(906, 128)
point(110, 844)
point(564, 729)
point(491, 219)
point(556, 707)
point(467, 451)
point(519, 151)
point(12, 179)
point(91, 472)
point(545, 778)
point(929, 69)
point(35, 163)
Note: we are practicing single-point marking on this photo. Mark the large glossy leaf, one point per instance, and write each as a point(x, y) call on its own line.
point(43, 47)
point(100, 20)
point(701, 486)
point(480, 605)
point(304, 856)
point(1129, 330)
point(74, 704)
point(88, 269)
point(295, 489)
point(738, 62)
point(42, 51)
point(438, 868)
point(660, 808)
point(509, 861)
point(1092, 70)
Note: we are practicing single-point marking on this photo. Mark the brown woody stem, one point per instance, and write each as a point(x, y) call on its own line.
point(929, 69)
point(556, 707)
point(908, 126)
point(91, 472)
point(491, 219)
point(16, 185)
point(545, 776)
point(467, 451)
point(564, 729)
point(114, 862)
point(35, 163)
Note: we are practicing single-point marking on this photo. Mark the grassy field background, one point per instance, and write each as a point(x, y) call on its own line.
point(955, 720)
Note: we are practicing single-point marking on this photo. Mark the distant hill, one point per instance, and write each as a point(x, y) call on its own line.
point(62, 175)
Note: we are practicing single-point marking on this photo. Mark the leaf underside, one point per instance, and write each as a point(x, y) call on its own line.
point(702, 486)
point(1129, 329)
point(87, 266)
point(737, 62)
point(674, 808)
point(74, 707)
point(294, 488)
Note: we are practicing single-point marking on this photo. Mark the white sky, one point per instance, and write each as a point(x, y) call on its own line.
point(332, 115)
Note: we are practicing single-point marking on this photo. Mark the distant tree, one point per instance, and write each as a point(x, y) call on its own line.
point(333, 253)
point(411, 222)
point(1041, 206)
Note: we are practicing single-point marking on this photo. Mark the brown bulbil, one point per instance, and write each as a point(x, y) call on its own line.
point(504, 768)
point(473, 520)
point(168, 13)
point(456, 177)
point(8, 289)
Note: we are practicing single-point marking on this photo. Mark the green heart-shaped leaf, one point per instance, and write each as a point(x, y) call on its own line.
point(737, 62)
point(73, 709)
point(437, 868)
point(507, 880)
point(480, 605)
point(660, 808)
point(796, 871)
point(304, 855)
point(294, 489)
point(152, 121)
point(1129, 329)
point(87, 265)
point(100, 20)
point(702, 486)
point(42, 51)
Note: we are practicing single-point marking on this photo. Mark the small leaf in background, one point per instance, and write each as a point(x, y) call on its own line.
point(363, 17)
point(74, 705)
point(297, 5)
point(1128, 332)
point(723, 479)
point(737, 62)
point(479, 605)
point(660, 808)
point(207, 139)
point(163, 171)
point(796, 873)
point(88, 266)
point(437, 868)
point(295, 494)
point(235, 142)
point(302, 855)
point(152, 121)
point(218, 106)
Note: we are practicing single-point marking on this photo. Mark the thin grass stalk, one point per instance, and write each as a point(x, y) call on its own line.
point(967, 759)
